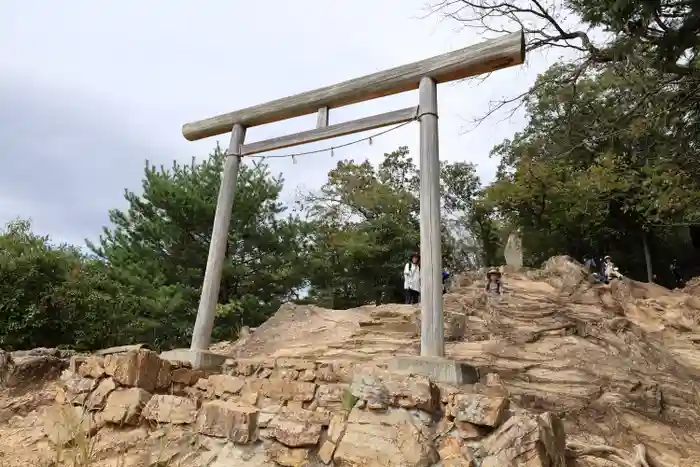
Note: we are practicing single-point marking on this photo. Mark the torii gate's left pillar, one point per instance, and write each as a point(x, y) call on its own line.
point(198, 355)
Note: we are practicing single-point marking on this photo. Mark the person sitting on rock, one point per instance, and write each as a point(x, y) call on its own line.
point(493, 281)
point(615, 273)
point(596, 277)
point(411, 280)
point(610, 271)
point(607, 264)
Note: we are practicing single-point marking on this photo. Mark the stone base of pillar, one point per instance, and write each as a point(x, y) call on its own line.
point(198, 359)
point(438, 369)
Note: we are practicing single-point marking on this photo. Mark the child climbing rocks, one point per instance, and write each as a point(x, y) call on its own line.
point(493, 282)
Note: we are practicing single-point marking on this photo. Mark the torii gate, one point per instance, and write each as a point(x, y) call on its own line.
point(482, 58)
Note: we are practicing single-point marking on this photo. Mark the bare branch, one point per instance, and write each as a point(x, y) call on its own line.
point(653, 41)
point(537, 21)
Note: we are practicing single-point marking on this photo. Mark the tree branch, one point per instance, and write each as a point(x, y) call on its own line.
point(651, 41)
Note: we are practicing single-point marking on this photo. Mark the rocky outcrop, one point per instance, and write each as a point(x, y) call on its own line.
point(619, 363)
point(25, 368)
point(298, 412)
point(571, 374)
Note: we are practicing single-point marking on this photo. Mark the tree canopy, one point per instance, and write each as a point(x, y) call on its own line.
point(608, 150)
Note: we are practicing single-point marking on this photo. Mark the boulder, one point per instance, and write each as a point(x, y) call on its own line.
point(137, 368)
point(164, 378)
point(392, 438)
point(73, 388)
point(479, 409)
point(294, 433)
point(417, 449)
point(22, 369)
point(454, 454)
point(124, 406)
point(528, 441)
point(331, 395)
point(170, 409)
point(186, 376)
point(225, 384)
point(98, 397)
point(383, 389)
point(284, 390)
point(289, 457)
point(232, 455)
point(90, 367)
point(225, 419)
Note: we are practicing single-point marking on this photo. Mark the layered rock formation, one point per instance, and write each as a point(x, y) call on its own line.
point(284, 411)
point(571, 374)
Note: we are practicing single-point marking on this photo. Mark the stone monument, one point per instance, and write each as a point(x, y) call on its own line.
point(514, 252)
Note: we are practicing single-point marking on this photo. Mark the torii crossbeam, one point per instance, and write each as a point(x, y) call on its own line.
point(477, 59)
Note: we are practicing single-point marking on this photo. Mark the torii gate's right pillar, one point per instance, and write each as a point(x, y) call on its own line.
point(432, 338)
point(431, 362)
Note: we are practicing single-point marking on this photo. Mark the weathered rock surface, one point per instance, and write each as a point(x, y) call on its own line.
point(124, 406)
point(621, 361)
point(479, 409)
point(30, 367)
point(527, 441)
point(139, 368)
point(68, 424)
point(572, 375)
point(170, 409)
point(230, 420)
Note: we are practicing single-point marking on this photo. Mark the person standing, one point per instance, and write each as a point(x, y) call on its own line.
point(445, 277)
point(411, 280)
point(676, 273)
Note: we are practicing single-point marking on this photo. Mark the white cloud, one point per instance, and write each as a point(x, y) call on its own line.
point(127, 75)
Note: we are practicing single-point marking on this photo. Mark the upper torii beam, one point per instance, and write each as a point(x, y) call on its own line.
point(424, 75)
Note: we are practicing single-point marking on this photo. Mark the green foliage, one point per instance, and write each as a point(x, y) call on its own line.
point(33, 275)
point(366, 226)
point(159, 247)
point(53, 295)
point(348, 400)
point(592, 172)
point(144, 280)
point(488, 231)
point(609, 154)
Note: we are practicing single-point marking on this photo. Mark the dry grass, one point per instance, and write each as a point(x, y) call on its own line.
point(73, 442)
point(80, 445)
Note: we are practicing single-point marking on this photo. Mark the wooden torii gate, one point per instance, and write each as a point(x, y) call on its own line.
point(482, 58)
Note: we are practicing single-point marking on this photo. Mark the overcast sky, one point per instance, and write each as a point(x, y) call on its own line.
point(89, 90)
